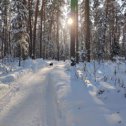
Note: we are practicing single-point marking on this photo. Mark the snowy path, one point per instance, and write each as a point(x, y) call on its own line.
point(33, 104)
point(54, 96)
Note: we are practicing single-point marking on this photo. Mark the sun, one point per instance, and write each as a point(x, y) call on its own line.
point(70, 21)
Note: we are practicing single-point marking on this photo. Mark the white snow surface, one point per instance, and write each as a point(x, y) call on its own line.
point(60, 95)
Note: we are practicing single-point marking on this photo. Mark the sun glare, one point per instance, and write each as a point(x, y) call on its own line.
point(70, 21)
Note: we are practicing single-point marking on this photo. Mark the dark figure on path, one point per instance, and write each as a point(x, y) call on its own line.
point(51, 64)
point(73, 62)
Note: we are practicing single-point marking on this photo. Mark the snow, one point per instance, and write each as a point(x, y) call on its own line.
point(10, 72)
point(37, 94)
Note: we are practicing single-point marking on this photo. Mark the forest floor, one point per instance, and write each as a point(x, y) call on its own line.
point(37, 94)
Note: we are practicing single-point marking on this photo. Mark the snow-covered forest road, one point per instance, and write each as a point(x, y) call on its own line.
point(33, 103)
point(54, 96)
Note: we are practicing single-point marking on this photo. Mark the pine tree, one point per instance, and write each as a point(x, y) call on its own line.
point(35, 25)
point(1, 41)
point(87, 29)
point(30, 20)
point(19, 28)
point(4, 12)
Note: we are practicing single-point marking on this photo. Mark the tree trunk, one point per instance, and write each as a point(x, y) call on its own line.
point(87, 29)
point(34, 33)
point(58, 35)
point(41, 26)
point(77, 44)
point(30, 27)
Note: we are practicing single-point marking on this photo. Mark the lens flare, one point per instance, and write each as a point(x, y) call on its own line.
point(70, 21)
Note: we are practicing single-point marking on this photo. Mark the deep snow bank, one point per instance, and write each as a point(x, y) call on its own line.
point(106, 84)
point(10, 71)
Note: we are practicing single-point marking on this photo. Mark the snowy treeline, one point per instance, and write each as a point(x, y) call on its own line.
point(39, 28)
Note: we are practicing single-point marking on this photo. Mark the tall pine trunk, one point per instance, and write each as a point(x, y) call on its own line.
point(87, 29)
point(34, 33)
point(58, 47)
point(30, 27)
point(41, 28)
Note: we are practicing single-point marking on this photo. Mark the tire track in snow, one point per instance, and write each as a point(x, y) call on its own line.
point(35, 104)
point(52, 116)
point(26, 108)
